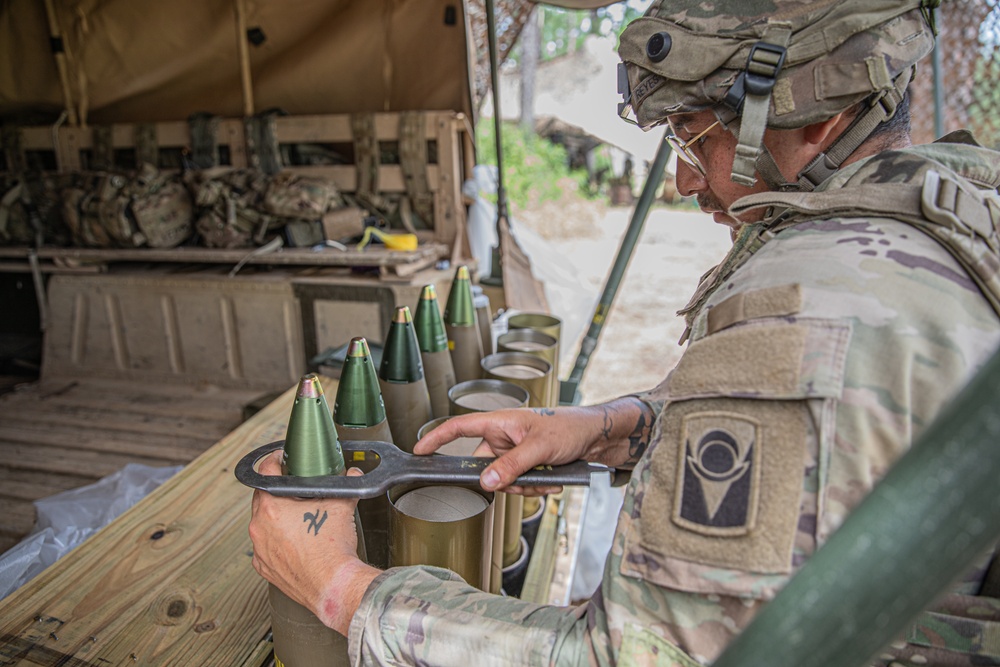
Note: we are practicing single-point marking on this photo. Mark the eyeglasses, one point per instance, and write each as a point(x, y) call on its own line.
point(683, 148)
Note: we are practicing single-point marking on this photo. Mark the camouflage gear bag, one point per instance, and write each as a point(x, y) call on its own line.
point(30, 212)
point(150, 208)
point(245, 207)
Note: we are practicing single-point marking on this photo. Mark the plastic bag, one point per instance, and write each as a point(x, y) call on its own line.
point(66, 519)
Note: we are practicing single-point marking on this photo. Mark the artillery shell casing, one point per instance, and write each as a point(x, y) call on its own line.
point(466, 447)
point(466, 351)
point(439, 373)
point(443, 526)
point(485, 395)
point(512, 528)
point(300, 639)
point(524, 370)
point(311, 449)
point(549, 325)
point(539, 344)
point(407, 408)
point(374, 511)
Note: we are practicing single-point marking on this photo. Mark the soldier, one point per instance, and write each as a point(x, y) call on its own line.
point(861, 293)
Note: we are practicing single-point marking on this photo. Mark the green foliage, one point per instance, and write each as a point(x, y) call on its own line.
point(535, 169)
point(564, 30)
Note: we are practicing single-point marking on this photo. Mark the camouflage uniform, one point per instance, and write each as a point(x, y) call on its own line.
point(818, 353)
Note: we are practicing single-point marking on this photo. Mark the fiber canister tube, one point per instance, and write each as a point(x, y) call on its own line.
point(466, 447)
point(543, 346)
point(524, 370)
point(311, 449)
point(443, 526)
point(401, 378)
point(460, 323)
point(547, 324)
point(536, 343)
point(359, 414)
point(485, 395)
point(439, 371)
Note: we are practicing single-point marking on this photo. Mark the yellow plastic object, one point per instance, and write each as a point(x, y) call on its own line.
point(391, 241)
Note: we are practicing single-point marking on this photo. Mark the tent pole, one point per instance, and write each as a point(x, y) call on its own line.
point(244, 51)
point(496, 273)
point(59, 51)
point(569, 390)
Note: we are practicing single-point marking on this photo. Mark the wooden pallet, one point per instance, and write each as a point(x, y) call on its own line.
point(60, 434)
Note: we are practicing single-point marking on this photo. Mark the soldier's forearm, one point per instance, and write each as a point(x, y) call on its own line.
point(626, 425)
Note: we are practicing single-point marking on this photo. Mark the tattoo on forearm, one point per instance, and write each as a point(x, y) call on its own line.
point(545, 412)
point(315, 521)
point(638, 440)
point(607, 425)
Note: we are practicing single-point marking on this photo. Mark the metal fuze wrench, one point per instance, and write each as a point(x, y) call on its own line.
point(397, 467)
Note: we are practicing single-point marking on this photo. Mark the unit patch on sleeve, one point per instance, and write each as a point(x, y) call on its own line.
point(729, 475)
point(718, 475)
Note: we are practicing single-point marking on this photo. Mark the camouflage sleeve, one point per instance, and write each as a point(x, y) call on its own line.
point(430, 616)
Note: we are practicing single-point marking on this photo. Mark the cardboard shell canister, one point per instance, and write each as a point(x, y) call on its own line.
point(547, 324)
point(374, 512)
point(513, 574)
point(531, 521)
point(486, 395)
point(539, 344)
point(442, 526)
point(407, 408)
point(465, 447)
point(524, 370)
point(302, 640)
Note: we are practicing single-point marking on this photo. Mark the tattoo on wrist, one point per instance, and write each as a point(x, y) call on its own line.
point(545, 412)
point(638, 439)
point(315, 521)
point(607, 425)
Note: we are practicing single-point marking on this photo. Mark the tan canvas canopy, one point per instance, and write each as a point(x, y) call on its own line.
point(143, 61)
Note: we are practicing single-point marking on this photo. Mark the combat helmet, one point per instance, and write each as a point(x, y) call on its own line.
point(774, 63)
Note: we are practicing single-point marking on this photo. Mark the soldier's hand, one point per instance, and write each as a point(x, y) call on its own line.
point(308, 549)
point(521, 438)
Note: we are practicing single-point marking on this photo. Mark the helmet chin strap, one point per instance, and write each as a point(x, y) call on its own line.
point(881, 108)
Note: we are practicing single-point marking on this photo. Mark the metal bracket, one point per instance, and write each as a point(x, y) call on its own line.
point(397, 467)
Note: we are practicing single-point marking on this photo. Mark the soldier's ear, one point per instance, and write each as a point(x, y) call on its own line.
point(826, 131)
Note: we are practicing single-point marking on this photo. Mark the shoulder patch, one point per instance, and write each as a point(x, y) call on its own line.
point(735, 467)
point(718, 474)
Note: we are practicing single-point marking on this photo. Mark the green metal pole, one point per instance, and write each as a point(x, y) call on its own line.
point(934, 514)
point(569, 392)
point(496, 274)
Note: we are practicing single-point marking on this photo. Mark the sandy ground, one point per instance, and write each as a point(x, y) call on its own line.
point(573, 245)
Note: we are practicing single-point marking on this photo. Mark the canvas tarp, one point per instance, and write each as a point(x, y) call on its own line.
point(144, 61)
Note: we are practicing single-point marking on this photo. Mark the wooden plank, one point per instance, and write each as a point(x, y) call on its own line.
point(32, 485)
point(36, 445)
point(74, 461)
point(228, 416)
point(110, 418)
point(18, 516)
point(169, 582)
point(371, 256)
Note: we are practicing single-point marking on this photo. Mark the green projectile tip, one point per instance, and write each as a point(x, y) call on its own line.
point(431, 336)
point(311, 445)
point(460, 311)
point(359, 400)
point(401, 355)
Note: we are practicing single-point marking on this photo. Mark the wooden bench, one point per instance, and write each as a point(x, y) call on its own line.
point(167, 583)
